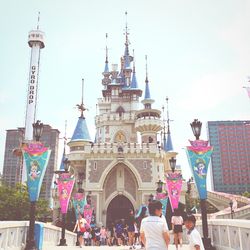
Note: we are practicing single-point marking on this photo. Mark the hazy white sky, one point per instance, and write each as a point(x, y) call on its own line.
point(198, 56)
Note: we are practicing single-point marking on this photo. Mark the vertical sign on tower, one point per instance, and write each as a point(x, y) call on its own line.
point(36, 42)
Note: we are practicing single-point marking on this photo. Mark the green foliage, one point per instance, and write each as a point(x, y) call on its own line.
point(246, 194)
point(15, 204)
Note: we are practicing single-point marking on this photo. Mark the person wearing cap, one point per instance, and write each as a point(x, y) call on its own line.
point(194, 237)
point(154, 229)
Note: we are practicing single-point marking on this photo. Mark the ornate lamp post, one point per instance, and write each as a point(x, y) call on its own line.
point(62, 242)
point(231, 207)
point(172, 162)
point(199, 156)
point(35, 176)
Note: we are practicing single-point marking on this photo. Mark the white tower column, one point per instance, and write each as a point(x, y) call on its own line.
point(36, 42)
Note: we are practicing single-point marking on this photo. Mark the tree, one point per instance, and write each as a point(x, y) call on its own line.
point(246, 194)
point(15, 204)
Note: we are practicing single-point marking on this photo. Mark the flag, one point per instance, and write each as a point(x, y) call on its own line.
point(65, 184)
point(36, 157)
point(199, 157)
point(174, 185)
point(79, 202)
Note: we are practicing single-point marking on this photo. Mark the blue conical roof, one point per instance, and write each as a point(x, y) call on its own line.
point(81, 132)
point(134, 84)
point(106, 68)
point(147, 91)
point(167, 143)
point(62, 162)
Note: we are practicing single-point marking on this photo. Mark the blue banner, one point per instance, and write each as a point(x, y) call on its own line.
point(79, 201)
point(36, 158)
point(164, 203)
point(199, 161)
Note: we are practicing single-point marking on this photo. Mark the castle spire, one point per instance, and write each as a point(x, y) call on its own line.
point(81, 132)
point(127, 57)
point(167, 142)
point(64, 147)
point(147, 91)
point(134, 84)
point(106, 69)
point(38, 20)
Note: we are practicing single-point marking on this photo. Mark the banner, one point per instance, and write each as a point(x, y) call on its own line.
point(173, 185)
point(79, 202)
point(65, 184)
point(36, 158)
point(199, 154)
point(87, 212)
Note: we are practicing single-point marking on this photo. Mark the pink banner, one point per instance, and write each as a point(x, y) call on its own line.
point(65, 186)
point(173, 185)
point(87, 212)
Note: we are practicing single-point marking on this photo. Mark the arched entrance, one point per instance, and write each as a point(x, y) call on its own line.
point(118, 209)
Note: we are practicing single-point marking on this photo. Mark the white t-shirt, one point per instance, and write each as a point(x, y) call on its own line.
point(195, 239)
point(153, 227)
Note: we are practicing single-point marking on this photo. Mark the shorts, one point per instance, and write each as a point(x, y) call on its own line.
point(178, 229)
point(79, 233)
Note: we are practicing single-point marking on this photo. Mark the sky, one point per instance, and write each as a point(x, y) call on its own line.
point(198, 57)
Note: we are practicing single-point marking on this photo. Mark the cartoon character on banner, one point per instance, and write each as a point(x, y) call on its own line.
point(64, 193)
point(34, 170)
point(200, 168)
point(174, 193)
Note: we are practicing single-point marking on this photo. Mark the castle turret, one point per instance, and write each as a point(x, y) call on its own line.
point(148, 121)
point(167, 141)
point(81, 135)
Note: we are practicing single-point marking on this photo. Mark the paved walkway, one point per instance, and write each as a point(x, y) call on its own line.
point(171, 247)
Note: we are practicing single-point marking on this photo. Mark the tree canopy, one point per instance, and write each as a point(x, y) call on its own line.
point(15, 204)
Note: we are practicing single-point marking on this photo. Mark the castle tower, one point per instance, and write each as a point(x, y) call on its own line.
point(120, 170)
point(36, 42)
point(148, 121)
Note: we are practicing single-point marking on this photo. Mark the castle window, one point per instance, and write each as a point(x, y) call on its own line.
point(120, 111)
point(95, 166)
point(145, 164)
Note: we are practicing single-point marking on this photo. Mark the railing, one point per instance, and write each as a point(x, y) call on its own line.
point(13, 235)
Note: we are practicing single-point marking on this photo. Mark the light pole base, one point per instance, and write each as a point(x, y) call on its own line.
point(30, 245)
point(62, 242)
point(207, 244)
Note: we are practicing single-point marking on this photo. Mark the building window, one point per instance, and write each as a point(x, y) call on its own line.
point(95, 166)
point(145, 165)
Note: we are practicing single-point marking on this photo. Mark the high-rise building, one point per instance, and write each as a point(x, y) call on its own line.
point(231, 156)
point(13, 163)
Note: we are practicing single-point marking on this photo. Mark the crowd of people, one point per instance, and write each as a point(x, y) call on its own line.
point(147, 231)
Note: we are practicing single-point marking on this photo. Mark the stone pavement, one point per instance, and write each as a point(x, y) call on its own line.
point(171, 247)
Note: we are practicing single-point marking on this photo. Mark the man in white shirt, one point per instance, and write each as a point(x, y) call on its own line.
point(194, 237)
point(154, 230)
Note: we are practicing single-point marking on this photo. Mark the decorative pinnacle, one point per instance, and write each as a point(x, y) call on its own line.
point(168, 120)
point(38, 20)
point(106, 48)
point(126, 29)
point(146, 58)
point(134, 61)
point(81, 106)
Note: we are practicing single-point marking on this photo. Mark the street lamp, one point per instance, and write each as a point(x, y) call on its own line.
point(37, 129)
point(231, 206)
point(198, 171)
point(172, 162)
point(66, 163)
point(196, 128)
point(31, 244)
